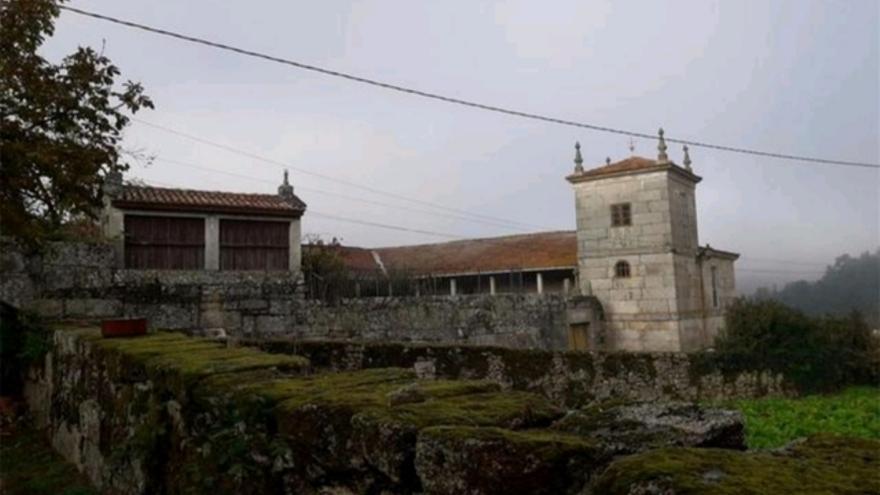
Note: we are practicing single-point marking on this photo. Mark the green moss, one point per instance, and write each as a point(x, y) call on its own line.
point(506, 409)
point(29, 466)
point(544, 444)
point(446, 401)
point(495, 460)
point(357, 389)
point(821, 465)
point(525, 365)
point(193, 357)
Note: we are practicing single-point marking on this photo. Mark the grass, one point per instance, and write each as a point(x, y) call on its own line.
point(772, 423)
point(29, 466)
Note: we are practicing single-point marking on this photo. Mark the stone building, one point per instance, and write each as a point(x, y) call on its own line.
point(638, 254)
point(184, 229)
point(538, 263)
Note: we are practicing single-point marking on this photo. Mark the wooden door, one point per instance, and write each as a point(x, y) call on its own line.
point(578, 337)
point(254, 245)
point(164, 243)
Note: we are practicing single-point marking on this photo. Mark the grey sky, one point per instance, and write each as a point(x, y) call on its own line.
point(792, 76)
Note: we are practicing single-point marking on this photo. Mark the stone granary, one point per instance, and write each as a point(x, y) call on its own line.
point(638, 253)
point(183, 229)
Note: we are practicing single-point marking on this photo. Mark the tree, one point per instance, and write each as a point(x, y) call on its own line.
point(815, 353)
point(851, 283)
point(324, 269)
point(61, 125)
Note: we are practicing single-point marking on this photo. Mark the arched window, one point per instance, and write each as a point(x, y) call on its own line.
point(621, 269)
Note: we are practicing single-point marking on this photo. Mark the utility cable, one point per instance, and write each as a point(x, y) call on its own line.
point(458, 101)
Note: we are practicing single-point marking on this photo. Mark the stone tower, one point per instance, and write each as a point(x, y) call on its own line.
point(638, 253)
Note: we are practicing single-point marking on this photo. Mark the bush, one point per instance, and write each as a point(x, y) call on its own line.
point(23, 341)
point(817, 354)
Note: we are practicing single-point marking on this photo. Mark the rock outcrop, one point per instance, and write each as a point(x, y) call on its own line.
point(818, 465)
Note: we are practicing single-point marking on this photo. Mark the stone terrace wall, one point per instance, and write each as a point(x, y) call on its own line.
point(570, 379)
point(509, 320)
point(80, 281)
point(170, 414)
point(166, 413)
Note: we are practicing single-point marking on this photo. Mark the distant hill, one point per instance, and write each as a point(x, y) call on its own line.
point(850, 283)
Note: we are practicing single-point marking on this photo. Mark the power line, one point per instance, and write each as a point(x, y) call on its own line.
point(352, 220)
point(385, 225)
point(355, 185)
point(256, 179)
point(435, 233)
point(458, 101)
point(785, 262)
point(793, 272)
point(337, 195)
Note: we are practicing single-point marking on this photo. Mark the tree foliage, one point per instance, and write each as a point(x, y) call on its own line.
point(324, 270)
point(851, 283)
point(61, 124)
point(816, 353)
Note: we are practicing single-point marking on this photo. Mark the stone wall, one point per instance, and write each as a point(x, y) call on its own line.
point(79, 281)
point(510, 320)
point(166, 413)
point(569, 379)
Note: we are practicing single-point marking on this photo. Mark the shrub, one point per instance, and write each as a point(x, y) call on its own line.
point(23, 341)
point(817, 354)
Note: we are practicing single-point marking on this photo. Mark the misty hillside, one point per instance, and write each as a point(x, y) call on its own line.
point(850, 283)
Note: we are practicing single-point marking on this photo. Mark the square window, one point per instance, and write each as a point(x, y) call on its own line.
point(621, 215)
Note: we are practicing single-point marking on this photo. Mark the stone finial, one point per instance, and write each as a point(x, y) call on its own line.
point(607, 160)
point(285, 190)
point(112, 183)
point(578, 159)
point(687, 158)
point(662, 157)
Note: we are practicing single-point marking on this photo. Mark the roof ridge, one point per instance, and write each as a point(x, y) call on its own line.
point(184, 189)
point(478, 239)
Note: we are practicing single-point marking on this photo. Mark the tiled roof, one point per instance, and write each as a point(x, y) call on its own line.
point(497, 254)
point(356, 259)
point(160, 198)
point(633, 164)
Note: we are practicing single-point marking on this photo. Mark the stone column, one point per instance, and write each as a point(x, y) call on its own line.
point(540, 281)
point(492, 285)
point(451, 286)
point(566, 286)
point(294, 263)
point(113, 223)
point(212, 243)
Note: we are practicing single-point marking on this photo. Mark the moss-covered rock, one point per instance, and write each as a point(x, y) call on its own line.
point(626, 428)
point(336, 421)
point(819, 465)
point(474, 460)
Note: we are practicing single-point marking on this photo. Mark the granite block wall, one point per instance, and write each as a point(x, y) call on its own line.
point(80, 281)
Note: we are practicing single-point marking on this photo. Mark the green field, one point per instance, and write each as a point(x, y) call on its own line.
point(773, 423)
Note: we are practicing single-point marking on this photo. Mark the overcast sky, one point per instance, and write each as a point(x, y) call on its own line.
point(793, 76)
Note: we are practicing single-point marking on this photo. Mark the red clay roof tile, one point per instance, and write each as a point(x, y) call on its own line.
point(160, 198)
point(629, 165)
point(497, 254)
